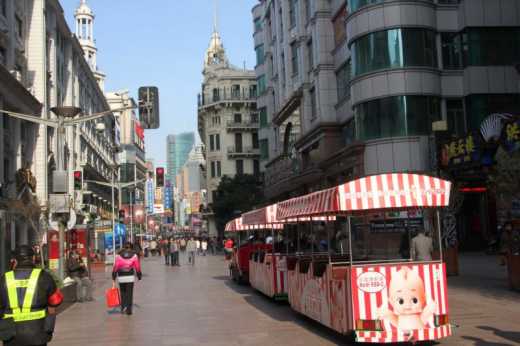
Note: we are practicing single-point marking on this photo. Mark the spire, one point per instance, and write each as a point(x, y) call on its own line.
point(215, 19)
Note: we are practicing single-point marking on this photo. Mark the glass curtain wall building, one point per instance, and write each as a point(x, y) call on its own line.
point(178, 148)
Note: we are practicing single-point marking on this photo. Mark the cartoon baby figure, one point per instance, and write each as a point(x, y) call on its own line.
point(407, 297)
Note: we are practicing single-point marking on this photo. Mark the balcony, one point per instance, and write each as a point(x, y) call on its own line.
point(252, 125)
point(226, 95)
point(243, 152)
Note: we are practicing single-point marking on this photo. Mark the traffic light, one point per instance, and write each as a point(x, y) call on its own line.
point(159, 176)
point(149, 107)
point(121, 215)
point(78, 180)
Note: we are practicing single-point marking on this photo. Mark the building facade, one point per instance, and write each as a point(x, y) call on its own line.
point(368, 81)
point(178, 148)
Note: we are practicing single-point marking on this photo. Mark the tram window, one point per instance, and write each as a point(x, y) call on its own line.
point(291, 238)
point(319, 236)
point(339, 237)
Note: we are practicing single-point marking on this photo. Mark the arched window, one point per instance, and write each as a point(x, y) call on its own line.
point(287, 139)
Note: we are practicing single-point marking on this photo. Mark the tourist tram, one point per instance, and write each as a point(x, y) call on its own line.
point(348, 263)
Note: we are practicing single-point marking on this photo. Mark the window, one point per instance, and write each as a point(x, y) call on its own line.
point(219, 169)
point(479, 106)
point(282, 58)
point(451, 44)
point(455, 115)
point(292, 13)
point(264, 149)
point(217, 142)
point(19, 27)
point(340, 27)
point(255, 142)
point(211, 143)
point(3, 57)
point(491, 46)
point(237, 117)
point(294, 58)
point(254, 118)
point(235, 91)
point(240, 167)
point(213, 171)
point(396, 48)
point(396, 116)
point(263, 117)
point(310, 56)
point(261, 84)
point(349, 132)
point(3, 7)
point(307, 11)
point(312, 95)
point(343, 81)
point(281, 22)
point(238, 142)
point(216, 95)
point(258, 24)
point(252, 91)
point(256, 168)
point(259, 54)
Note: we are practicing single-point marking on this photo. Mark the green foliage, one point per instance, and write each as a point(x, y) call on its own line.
point(57, 280)
point(236, 195)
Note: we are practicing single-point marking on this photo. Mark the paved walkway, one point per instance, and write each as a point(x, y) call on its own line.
point(199, 306)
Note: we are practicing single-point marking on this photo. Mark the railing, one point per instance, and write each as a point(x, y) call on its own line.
point(243, 151)
point(243, 124)
point(226, 95)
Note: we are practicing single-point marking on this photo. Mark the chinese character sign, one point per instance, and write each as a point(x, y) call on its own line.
point(168, 196)
point(149, 196)
point(462, 150)
point(511, 136)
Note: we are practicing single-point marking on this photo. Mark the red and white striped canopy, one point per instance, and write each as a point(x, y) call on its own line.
point(263, 216)
point(235, 225)
point(384, 191)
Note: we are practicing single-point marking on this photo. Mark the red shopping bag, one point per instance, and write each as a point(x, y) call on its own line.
point(112, 297)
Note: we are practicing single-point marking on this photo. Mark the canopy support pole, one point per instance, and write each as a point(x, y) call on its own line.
point(350, 240)
point(327, 225)
point(439, 233)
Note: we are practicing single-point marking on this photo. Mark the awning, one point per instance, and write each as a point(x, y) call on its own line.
point(384, 191)
point(235, 225)
point(263, 216)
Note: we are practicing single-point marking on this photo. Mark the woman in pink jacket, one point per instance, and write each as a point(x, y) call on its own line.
point(126, 267)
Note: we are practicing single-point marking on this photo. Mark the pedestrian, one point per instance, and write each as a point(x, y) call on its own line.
point(126, 267)
point(166, 250)
point(197, 242)
point(28, 301)
point(228, 248)
point(204, 246)
point(191, 247)
point(421, 247)
point(77, 271)
point(153, 247)
point(174, 252)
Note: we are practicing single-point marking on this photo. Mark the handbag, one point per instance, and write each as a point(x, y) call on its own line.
point(112, 297)
point(7, 329)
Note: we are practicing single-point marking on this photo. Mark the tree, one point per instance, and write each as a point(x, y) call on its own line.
point(235, 196)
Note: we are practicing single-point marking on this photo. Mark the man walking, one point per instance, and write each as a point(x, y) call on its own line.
point(174, 252)
point(166, 250)
point(191, 247)
point(28, 297)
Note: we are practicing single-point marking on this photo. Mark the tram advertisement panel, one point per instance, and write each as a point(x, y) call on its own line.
point(397, 303)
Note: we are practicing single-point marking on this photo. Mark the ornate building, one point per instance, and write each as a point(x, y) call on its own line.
point(227, 119)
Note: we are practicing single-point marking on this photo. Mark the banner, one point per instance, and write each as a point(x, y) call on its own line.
point(150, 197)
point(54, 249)
point(168, 196)
point(109, 248)
point(158, 206)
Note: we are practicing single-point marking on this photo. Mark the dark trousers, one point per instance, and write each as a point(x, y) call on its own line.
point(127, 295)
point(174, 260)
point(166, 258)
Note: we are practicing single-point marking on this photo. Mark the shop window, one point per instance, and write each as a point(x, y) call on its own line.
point(237, 117)
point(451, 50)
point(219, 169)
point(213, 169)
point(216, 95)
point(235, 91)
point(258, 24)
point(217, 142)
point(254, 118)
point(455, 117)
point(211, 143)
point(491, 46)
point(396, 116)
point(396, 48)
point(310, 56)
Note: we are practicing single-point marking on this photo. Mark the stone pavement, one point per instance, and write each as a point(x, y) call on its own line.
point(199, 306)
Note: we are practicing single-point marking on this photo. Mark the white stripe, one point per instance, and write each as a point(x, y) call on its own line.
point(361, 298)
point(407, 189)
point(342, 201)
point(353, 195)
point(421, 334)
point(448, 187)
point(375, 191)
point(384, 294)
point(428, 289)
point(364, 194)
point(395, 181)
point(428, 188)
point(418, 191)
point(387, 200)
point(437, 184)
point(443, 295)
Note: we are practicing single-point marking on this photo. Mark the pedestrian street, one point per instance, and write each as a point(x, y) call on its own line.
point(199, 305)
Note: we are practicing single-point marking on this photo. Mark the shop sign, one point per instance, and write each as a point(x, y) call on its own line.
point(168, 196)
point(462, 150)
point(149, 196)
point(511, 137)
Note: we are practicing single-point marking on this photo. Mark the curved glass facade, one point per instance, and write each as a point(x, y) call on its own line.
point(396, 116)
point(354, 5)
point(396, 48)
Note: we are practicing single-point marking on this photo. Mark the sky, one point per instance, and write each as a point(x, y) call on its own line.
point(162, 43)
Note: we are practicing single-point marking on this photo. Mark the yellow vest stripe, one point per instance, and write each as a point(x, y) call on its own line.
point(23, 313)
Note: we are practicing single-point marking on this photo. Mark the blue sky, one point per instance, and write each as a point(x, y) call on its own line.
point(162, 43)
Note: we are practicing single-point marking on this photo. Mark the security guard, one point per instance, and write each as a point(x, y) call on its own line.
point(29, 296)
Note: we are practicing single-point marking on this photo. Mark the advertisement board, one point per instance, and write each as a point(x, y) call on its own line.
point(54, 249)
point(150, 197)
point(158, 206)
point(168, 196)
point(109, 248)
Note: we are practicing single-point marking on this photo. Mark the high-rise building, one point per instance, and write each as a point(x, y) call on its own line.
point(178, 148)
point(357, 87)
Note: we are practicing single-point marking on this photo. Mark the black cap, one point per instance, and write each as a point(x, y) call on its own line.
point(23, 252)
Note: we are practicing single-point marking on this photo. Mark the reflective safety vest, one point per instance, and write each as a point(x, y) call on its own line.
point(23, 313)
